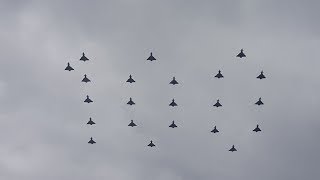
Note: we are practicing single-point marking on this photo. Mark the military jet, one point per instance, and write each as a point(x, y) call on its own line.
point(215, 130)
point(151, 144)
point(130, 102)
point(173, 103)
point(69, 68)
point(90, 122)
point(233, 149)
point(259, 102)
point(174, 82)
point(173, 125)
point(241, 54)
point(217, 104)
point(130, 80)
point(132, 124)
point(257, 129)
point(88, 100)
point(84, 58)
point(85, 79)
point(261, 76)
point(219, 75)
point(151, 58)
point(91, 141)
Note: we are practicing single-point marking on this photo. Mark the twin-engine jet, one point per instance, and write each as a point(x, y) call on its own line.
point(130, 80)
point(241, 54)
point(84, 58)
point(151, 58)
point(88, 100)
point(69, 68)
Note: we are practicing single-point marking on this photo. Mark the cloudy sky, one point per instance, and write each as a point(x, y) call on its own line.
point(43, 117)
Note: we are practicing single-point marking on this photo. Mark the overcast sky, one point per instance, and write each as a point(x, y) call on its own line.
point(43, 117)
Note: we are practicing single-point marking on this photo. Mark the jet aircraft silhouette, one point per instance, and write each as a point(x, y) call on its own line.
point(85, 79)
point(259, 102)
point(217, 104)
point(174, 82)
point(261, 76)
point(132, 124)
point(84, 58)
point(233, 149)
point(241, 54)
point(130, 102)
point(173, 103)
point(91, 141)
point(257, 129)
point(173, 125)
point(88, 100)
point(69, 68)
point(219, 75)
point(151, 144)
point(151, 58)
point(130, 80)
point(215, 130)
point(90, 122)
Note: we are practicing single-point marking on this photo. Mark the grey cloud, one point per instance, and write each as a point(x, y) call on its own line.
point(43, 130)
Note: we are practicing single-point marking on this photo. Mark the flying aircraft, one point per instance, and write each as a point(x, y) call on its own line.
point(88, 100)
point(233, 149)
point(261, 76)
point(90, 122)
point(130, 80)
point(85, 79)
point(241, 54)
point(132, 124)
point(151, 58)
point(84, 58)
point(259, 102)
point(215, 130)
point(130, 102)
point(174, 82)
point(173, 125)
point(217, 104)
point(69, 68)
point(173, 103)
point(151, 144)
point(219, 75)
point(257, 129)
point(91, 141)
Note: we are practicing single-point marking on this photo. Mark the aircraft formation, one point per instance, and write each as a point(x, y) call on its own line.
point(87, 99)
point(172, 103)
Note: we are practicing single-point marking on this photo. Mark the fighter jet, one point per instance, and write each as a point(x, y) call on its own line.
point(84, 58)
point(130, 102)
point(219, 75)
point(88, 100)
point(241, 54)
point(173, 103)
point(132, 124)
point(257, 129)
point(173, 125)
point(233, 149)
point(215, 130)
point(69, 68)
point(259, 102)
point(130, 80)
point(174, 82)
point(151, 144)
point(151, 58)
point(217, 104)
point(261, 76)
point(91, 141)
point(90, 122)
point(85, 79)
